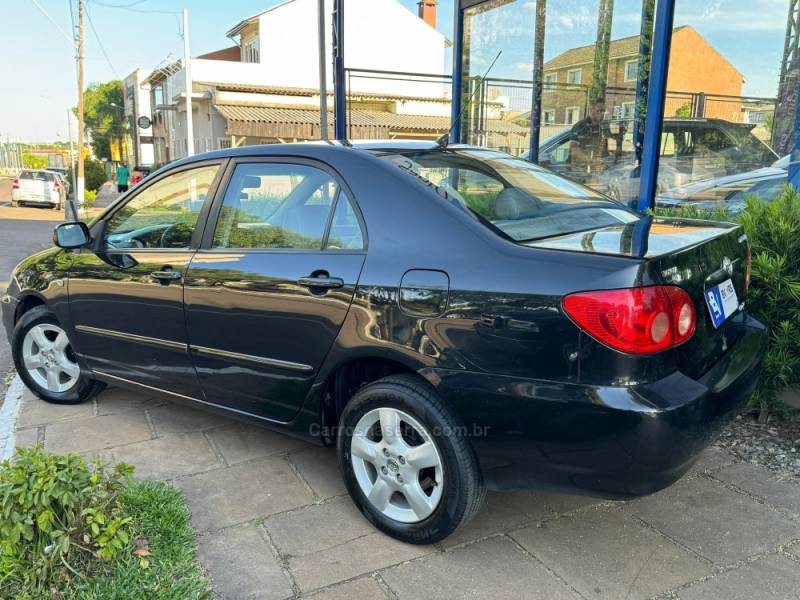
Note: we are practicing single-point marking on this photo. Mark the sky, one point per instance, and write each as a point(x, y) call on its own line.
point(37, 68)
point(37, 71)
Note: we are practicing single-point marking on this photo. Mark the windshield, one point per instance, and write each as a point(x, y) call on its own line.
point(522, 200)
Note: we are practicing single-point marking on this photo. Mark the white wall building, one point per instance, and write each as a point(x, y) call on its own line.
point(137, 104)
point(275, 65)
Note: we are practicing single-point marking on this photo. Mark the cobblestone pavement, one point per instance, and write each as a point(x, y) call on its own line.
point(274, 520)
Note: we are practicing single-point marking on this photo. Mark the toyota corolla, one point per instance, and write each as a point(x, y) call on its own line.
point(450, 318)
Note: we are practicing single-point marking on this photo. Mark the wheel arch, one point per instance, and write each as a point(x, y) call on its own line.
point(28, 301)
point(344, 379)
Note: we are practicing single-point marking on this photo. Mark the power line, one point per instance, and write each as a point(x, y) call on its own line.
point(99, 43)
point(129, 8)
point(129, 5)
point(141, 11)
point(53, 21)
point(72, 20)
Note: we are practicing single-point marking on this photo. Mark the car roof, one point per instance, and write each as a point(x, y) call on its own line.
point(320, 149)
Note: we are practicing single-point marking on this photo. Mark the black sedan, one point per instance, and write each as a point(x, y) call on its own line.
point(450, 318)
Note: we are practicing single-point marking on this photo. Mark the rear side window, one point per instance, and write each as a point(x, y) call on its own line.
point(272, 205)
point(514, 196)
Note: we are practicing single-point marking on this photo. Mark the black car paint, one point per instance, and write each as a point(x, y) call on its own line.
point(547, 405)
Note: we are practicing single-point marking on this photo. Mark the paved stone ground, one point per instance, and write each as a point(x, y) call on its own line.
point(274, 520)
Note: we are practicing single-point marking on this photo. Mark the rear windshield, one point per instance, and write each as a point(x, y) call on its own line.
point(522, 200)
point(36, 175)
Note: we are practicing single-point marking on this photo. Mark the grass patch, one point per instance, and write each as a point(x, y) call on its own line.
point(78, 530)
point(159, 517)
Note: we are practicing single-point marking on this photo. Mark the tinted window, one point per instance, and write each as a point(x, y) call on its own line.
point(270, 205)
point(520, 199)
point(163, 215)
point(345, 231)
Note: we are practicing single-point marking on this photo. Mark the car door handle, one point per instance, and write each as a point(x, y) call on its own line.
point(166, 276)
point(321, 282)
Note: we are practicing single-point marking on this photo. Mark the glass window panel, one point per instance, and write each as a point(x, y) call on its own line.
point(164, 214)
point(726, 117)
point(593, 47)
point(269, 205)
point(497, 107)
point(345, 231)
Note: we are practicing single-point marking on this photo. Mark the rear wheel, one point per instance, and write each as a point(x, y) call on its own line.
point(46, 362)
point(406, 461)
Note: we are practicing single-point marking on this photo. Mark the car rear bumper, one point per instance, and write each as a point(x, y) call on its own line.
point(37, 201)
point(612, 442)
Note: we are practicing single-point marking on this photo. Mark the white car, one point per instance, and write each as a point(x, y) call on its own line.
point(40, 187)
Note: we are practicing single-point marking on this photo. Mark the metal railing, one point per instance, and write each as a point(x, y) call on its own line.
point(10, 158)
point(497, 111)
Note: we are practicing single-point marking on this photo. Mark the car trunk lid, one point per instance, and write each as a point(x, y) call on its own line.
point(34, 186)
point(691, 254)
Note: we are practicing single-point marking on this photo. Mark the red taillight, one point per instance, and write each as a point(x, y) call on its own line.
point(636, 320)
point(748, 262)
point(15, 184)
point(56, 186)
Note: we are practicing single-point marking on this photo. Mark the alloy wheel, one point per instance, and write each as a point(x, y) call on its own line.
point(397, 465)
point(48, 357)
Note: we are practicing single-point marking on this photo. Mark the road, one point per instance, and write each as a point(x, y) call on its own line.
point(23, 231)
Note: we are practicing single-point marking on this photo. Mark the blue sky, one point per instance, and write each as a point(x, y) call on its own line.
point(37, 76)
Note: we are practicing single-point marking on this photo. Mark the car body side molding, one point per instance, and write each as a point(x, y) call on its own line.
point(132, 337)
point(273, 362)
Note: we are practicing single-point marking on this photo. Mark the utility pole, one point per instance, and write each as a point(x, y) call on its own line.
point(323, 75)
point(80, 181)
point(71, 204)
point(187, 71)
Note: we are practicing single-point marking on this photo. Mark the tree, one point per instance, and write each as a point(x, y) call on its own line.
point(95, 175)
point(34, 161)
point(685, 110)
point(104, 116)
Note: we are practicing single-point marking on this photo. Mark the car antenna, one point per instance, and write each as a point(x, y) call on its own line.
point(445, 139)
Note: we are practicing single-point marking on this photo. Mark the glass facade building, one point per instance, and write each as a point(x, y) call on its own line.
point(671, 101)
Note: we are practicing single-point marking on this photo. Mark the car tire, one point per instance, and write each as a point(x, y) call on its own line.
point(45, 361)
point(432, 456)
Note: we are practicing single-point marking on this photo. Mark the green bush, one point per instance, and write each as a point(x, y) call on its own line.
point(59, 519)
point(89, 196)
point(94, 175)
point(773, 231)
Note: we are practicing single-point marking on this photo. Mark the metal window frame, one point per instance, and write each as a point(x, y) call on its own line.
point(339, 87)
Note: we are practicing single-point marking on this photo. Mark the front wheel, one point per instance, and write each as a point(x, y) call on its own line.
point(46, 362)
point(407, 462)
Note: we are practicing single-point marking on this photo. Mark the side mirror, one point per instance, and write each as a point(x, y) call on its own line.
point(71, 235)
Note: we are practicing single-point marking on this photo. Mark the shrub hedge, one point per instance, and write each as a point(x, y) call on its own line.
point(773, 231)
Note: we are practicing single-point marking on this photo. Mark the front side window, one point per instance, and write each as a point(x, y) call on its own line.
point(522, 200)
point(164, 214)
point(271, 205)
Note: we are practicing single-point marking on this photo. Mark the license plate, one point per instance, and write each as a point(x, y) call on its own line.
point(722, 302)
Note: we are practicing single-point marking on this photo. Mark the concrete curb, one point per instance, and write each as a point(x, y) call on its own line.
point(8, 416)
